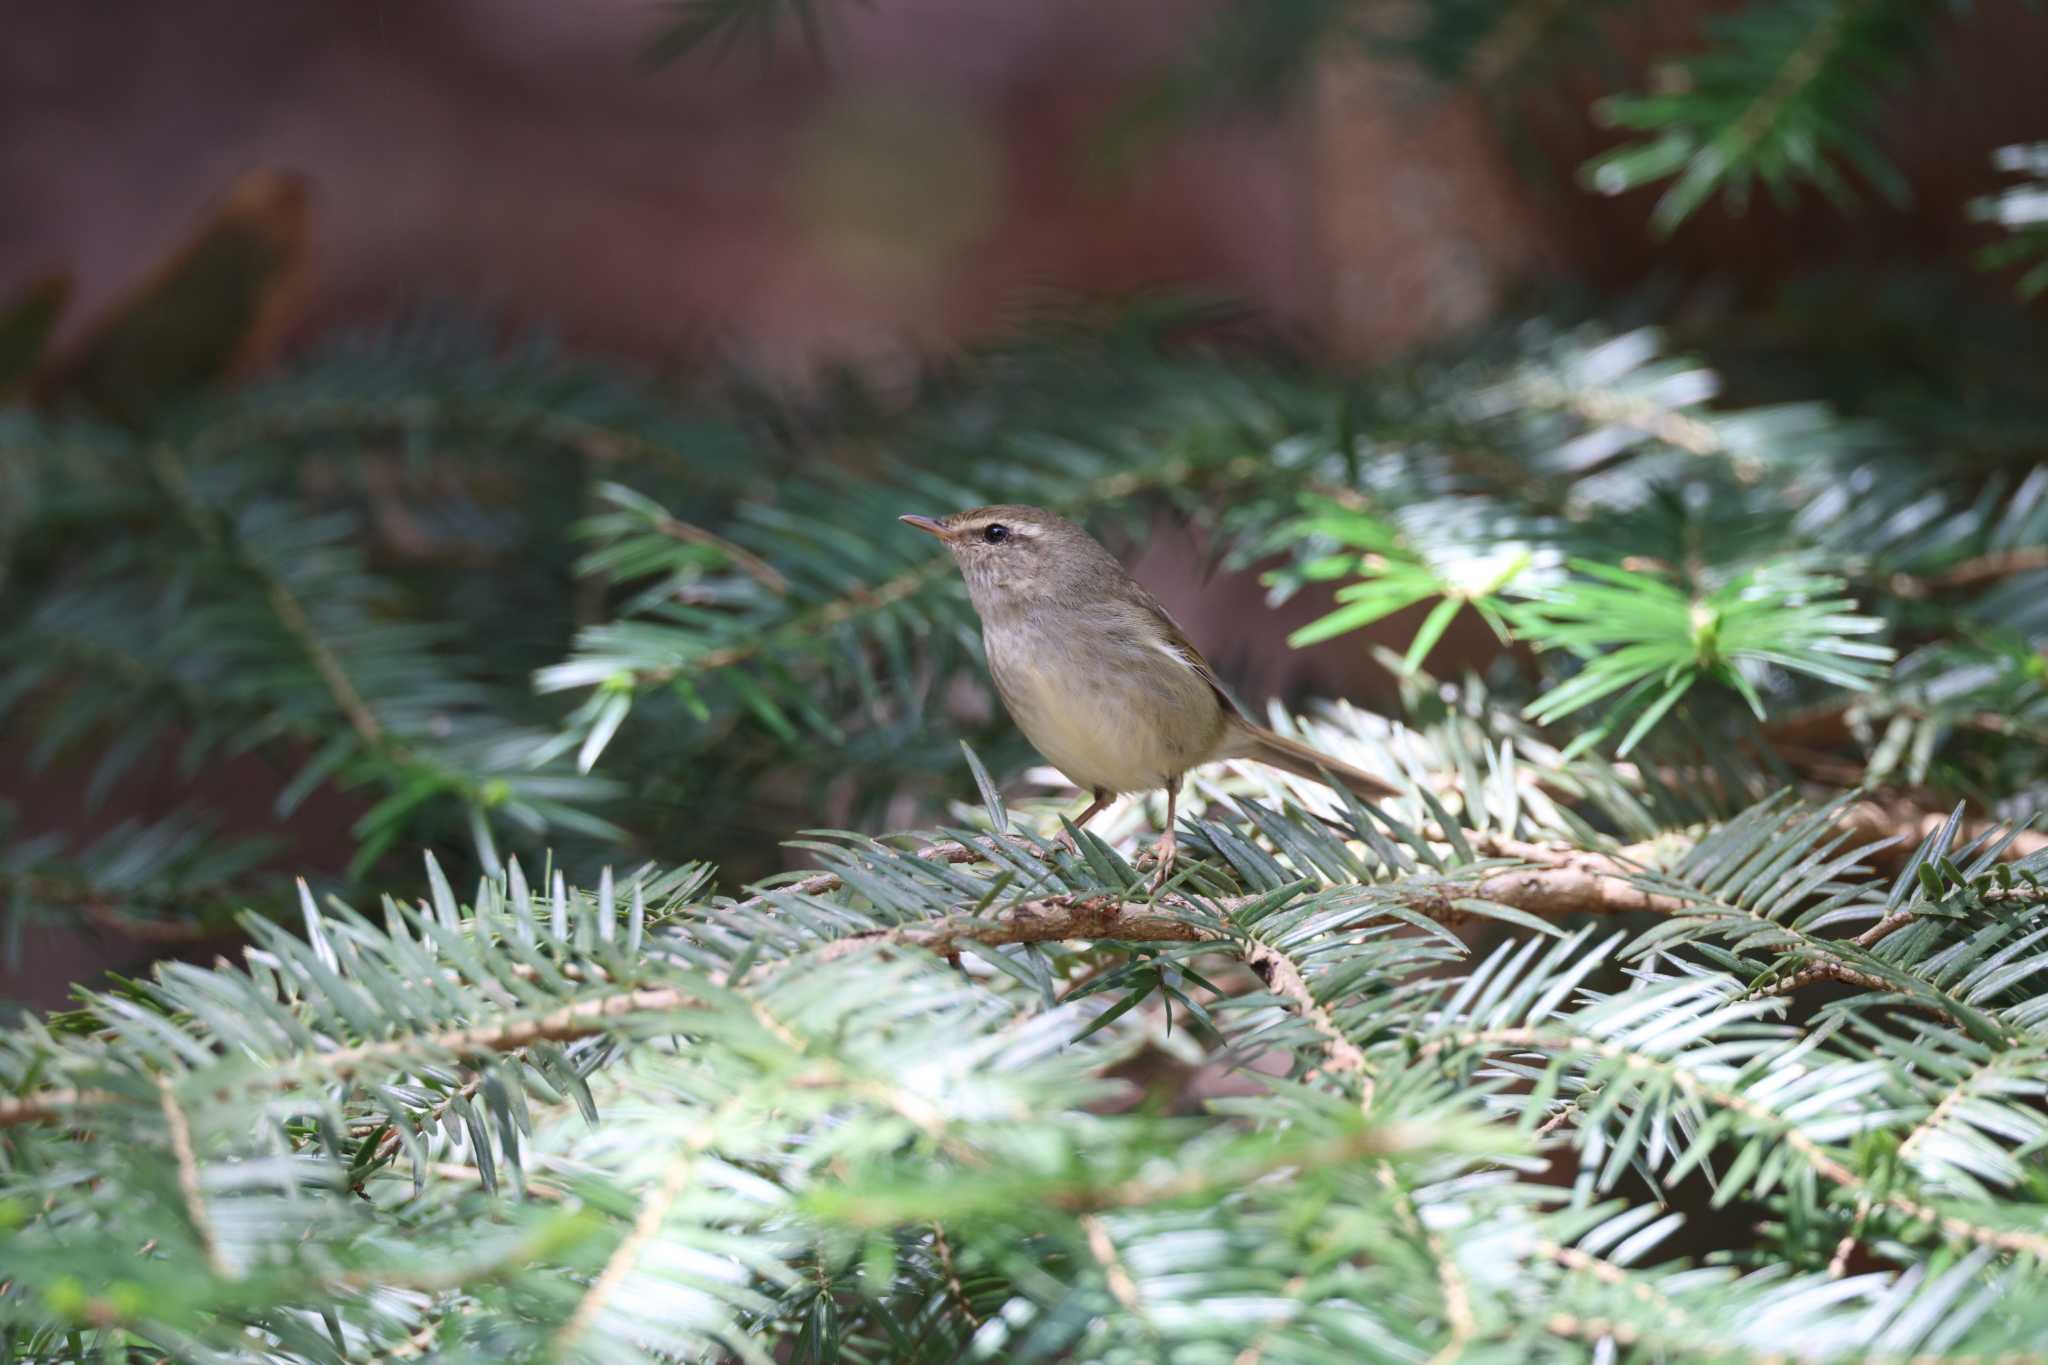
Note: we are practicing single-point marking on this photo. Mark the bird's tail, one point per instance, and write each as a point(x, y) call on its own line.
point(1292, 756)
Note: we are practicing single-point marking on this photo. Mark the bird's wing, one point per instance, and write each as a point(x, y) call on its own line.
point(1179, 646)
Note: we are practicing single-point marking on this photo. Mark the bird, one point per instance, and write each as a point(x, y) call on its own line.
point(1095, 672)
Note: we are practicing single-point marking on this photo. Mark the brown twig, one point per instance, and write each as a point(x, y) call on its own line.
point(1051, 919)
point(1606, 407)
point(389, 1143)
point(1608, 1273)
point(1823, 1163)
point(680, 1168)
point(1828, 969)
point(47, 1106)
point(1283, 976)
point(189, 1189)
point(1802, 738)
point(1103, 1248)
point(814, 622)
point(96, 907)
point(1562, 881)
point(746, 561)
point(944, 1249)
point(1972, 573)
point(1800, 68)
point(290, 613)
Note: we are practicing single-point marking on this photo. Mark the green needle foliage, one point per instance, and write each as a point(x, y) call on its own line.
point(1789, 89)
point(1643, 639)
point(2022, 210)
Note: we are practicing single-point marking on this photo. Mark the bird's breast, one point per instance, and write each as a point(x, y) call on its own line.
point(1106, 707)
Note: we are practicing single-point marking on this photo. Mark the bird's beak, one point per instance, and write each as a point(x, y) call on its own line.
point(927, 525)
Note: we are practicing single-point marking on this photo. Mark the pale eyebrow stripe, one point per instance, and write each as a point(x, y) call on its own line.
point(1016, 528)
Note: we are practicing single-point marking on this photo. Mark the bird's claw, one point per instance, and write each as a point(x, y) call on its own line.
point(1164, 852)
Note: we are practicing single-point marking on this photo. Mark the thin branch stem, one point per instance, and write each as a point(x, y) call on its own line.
point(745, 560)
point(189, 1190)
point(1608, 1273)
point(290, 613)
point(1972, 573)
point(646, 1226)
point(1103, 1248)
point(806, 624)
point(1799, 69)
point(1283, 975)
point(958, 1291)
point(1816, 1156)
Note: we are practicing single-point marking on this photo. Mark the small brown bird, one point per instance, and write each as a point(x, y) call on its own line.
point(1096, 674)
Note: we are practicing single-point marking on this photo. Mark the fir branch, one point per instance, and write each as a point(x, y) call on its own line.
point(1606, 406)
point(1114, 1273)
point(953, 1285)
point(180, 1133)
point(749, 563)
point(1816, 1156)
point(1971, 573)
point(1565, 889)
point(1283, 976)
point(1787, 85)
point(654, 1208)
point(290, 612)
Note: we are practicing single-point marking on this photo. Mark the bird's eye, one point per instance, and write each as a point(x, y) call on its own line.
point(996, 533)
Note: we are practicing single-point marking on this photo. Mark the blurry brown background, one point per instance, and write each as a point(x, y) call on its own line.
point(942, 168)
point(942, 163)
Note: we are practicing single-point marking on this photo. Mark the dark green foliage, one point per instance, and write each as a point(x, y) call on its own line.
point(1790, 89)
point(2022, 210)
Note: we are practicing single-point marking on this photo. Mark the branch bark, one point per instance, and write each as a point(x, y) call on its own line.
point(1574, 882)
point(1972, 573)
point(1555, 881)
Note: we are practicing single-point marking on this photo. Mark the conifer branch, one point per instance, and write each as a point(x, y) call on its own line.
point(944, 1250)
point(1816, 1156)
point(1974, 572)
point(1121, 1286)
point(654, 1208)
point(1801, 66)
point(180, 1133)
point(745, 560)
point(1283, 977)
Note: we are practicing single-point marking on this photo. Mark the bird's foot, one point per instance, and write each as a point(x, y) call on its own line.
point(1164, 852)
point(1065, 838)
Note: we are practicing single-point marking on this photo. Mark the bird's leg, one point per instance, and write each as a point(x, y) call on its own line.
point(1169, 842)
point(1103, 796)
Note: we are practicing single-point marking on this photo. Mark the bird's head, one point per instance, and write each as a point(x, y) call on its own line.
point(1016, 551)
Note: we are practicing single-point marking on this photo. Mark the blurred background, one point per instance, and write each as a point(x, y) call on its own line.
point(332, 331)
